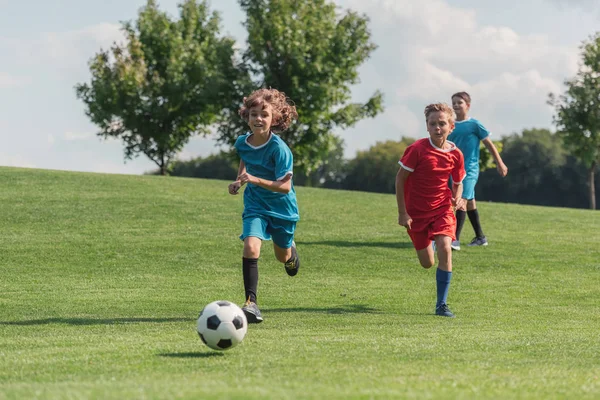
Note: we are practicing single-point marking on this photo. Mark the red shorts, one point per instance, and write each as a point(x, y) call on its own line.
point(423, 231)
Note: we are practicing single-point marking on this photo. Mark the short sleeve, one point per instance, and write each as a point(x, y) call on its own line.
point(409, 158)
point(458, 172)
point(239, 141)
point(284, 162)
point(481, 131)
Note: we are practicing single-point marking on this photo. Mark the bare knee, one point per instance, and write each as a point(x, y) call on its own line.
point(282, 254)
point(252, 247)
point(427, 263)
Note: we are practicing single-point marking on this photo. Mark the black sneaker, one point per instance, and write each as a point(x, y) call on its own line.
point(478, 241)
point(293, 264)
point(443, 311)
point(252, 312)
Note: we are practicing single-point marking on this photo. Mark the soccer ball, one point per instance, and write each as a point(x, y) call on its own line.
point(222, 325)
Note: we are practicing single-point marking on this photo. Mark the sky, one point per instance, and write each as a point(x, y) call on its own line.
point(507, 54)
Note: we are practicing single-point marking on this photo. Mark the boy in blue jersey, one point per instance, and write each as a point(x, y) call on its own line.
point(467, 134)
point(270, 207)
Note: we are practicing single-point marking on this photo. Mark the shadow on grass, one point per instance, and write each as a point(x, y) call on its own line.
point(343, 243)
point(92, 321)
point(350, 309)
point(195, 354)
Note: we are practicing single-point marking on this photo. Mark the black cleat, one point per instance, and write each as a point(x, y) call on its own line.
point(252, 312)
point(443, 311)
point(293, 264)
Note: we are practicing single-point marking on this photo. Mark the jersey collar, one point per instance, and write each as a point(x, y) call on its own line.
point(262, 145)
point(452, 146)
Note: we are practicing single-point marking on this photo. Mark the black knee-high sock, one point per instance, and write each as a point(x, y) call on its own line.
point(250, 271)
point(460, 221)
point(474, 218)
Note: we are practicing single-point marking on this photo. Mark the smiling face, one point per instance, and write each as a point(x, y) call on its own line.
point(439, 126)
point(260, 118)
point(461, 107)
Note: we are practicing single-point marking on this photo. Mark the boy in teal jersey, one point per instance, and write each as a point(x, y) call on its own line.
point(467, 134)
point(270, 206)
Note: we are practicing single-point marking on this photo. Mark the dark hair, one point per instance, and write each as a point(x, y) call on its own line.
point(463, 95)
point(284, 110)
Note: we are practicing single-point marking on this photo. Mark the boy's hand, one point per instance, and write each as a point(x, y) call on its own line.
point(246, 178)
point(234, 187)
point(459, 204)
point(404, 220)
point(502, 169)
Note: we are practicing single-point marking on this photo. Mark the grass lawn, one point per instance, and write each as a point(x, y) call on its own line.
point(103, 276)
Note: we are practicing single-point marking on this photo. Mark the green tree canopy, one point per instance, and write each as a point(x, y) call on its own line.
point(167, 83)
point(578, 111)
point(311, 52)
point(374, 170)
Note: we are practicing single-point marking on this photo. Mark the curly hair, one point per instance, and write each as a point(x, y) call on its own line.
point(284, 110)
point(440, 107)
point(463, 95)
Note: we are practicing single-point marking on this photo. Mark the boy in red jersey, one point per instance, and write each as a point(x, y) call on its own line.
point(425, 202)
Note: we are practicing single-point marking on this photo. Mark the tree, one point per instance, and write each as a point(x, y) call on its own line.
point(375, 170)
point(486, 161)
point(577, 115)
point(215, 166)
point(305, 49)
point(331, 172)
point(167, 83)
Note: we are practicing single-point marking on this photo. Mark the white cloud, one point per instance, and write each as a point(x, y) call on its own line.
point(429, 50)
point(66, 50)
point(51, 138)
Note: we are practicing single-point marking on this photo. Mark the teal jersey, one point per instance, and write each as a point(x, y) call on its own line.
point(272, 161)
point(466, 135)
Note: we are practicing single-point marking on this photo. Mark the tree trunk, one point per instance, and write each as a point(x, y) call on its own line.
point(592, 187)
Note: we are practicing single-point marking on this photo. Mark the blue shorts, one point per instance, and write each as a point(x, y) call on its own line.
point(265, 228)
point(469, 187)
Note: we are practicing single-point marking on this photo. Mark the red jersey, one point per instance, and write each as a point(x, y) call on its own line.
point(426, 191)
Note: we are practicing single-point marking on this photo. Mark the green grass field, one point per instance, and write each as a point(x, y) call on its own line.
point(103, 276)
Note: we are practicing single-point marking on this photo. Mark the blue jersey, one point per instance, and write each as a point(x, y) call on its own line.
point(466, 135)
point(272, 161)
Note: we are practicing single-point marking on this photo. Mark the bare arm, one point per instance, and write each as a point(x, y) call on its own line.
point(236, 185)
point(403, 217)
point(281, 186)
point(500, 166)
point(457, 200)
point(242, 168)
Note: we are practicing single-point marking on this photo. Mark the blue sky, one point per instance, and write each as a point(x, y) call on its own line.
point(507, 54)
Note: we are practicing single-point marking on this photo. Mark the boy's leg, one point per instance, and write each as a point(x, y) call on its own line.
point(461, 215)
point(443, 231)
point(480, 239)
point(250, 267)
point(250, 272)
point(419, 234)
point(284, 245)
point(443, 275)
point(254, 231)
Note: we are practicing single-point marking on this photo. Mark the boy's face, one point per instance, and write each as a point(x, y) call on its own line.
point(260, 118)
point(439, 126)
point(460, 106)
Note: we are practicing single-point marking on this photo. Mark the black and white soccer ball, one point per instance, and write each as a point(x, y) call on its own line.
point(222, 325)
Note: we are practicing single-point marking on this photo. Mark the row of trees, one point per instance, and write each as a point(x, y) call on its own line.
point(175, 78)
point(542, 171)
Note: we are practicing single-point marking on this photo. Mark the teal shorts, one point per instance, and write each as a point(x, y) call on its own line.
point(267, 228)
point(469, 188)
